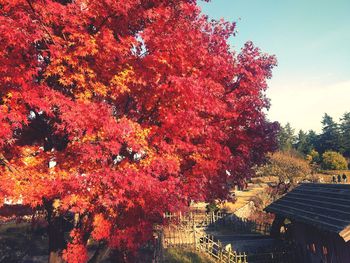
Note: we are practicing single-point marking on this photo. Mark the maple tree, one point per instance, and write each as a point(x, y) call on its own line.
point(114, 112)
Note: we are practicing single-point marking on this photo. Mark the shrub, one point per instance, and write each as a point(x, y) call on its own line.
point(286, 167)
point(334, 161)
point(313, 156)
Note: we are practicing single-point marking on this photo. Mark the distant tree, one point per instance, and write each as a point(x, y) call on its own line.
point(286, 138)
point(313, 156)
point(334, 161)
point(330, 139)
point(302, 145)
point(286, 166)
point(345, 132)
point(312, 139)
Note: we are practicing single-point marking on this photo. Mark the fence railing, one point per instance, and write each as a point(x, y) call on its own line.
point(236, 224)
point(178, 236)
point(219, 219)
point(216, 250)
point(186, 231)
point(199, 219)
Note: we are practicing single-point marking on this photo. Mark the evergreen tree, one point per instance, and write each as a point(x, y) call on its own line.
point(330, 138)
point(286, 138)
point(345, 131)
point(312, 139)
point(302, 145)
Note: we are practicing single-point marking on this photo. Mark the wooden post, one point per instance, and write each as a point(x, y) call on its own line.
point(206, 243)
point(192, 218)
point(181, 237)
point(194, 236)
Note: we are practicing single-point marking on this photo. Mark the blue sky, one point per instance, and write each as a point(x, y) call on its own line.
point(311, 39)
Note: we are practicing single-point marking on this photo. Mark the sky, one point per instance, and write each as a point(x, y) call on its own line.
point(311, 40)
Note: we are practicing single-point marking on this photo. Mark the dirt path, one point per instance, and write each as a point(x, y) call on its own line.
point(243, 198)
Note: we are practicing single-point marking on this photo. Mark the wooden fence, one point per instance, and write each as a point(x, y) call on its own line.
point(178, 236)
point(191, 237)
point(215, 249)
point(187, 231)
point(242, 225)
point(192, 218)
point(219, 220)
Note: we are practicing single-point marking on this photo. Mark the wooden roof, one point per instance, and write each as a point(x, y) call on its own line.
point(325, 206)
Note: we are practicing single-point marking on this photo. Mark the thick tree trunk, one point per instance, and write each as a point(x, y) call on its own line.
point(102, 252)
point(56, 229)
point(56, 240)
point(55, 257)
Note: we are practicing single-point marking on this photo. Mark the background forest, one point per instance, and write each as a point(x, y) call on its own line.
point(330, 148)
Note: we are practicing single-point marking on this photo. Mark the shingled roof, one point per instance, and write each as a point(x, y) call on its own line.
point(325, 206)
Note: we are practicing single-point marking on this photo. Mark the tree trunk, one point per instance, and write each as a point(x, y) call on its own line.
point(56, 229)
point(56, 240)
point(101, 253)
point(55, 257)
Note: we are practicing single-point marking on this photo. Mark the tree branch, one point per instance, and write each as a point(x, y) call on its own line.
point(234, 85)
point(41, 21)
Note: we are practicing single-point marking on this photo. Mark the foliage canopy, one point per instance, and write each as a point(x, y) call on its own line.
point(118, 111)
point(334, 161)
point(286, 166)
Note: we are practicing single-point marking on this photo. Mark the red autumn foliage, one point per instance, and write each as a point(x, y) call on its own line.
point(119, 111)
point(76, 250)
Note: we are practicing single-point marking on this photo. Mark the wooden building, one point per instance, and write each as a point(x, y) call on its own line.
point(316, 217)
